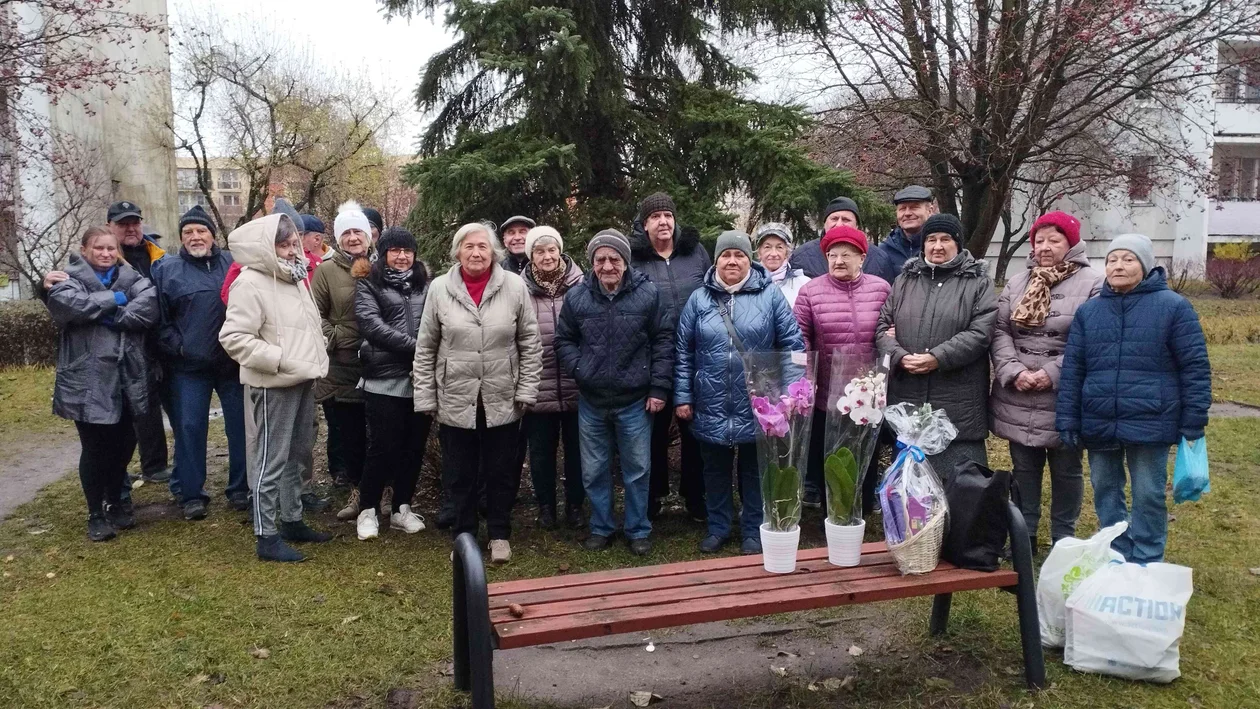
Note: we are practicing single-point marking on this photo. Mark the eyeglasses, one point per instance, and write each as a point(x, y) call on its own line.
point(846, 257)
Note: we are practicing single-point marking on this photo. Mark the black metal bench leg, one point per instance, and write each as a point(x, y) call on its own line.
point(1026, 601)
point(940, 613)
point(474, 653)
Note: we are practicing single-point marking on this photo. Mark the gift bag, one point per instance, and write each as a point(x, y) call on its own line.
point(1070, 562)
point(1190, 476)
point(1127, 619)
point(978, 526)
point(911, 496)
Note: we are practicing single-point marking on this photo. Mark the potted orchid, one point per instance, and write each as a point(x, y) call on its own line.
point(855, 412)
point(781, 392)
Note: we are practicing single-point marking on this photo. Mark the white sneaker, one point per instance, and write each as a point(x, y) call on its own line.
point(351, 510)
point(406, 520)
point(367, 526)
point(500, 551)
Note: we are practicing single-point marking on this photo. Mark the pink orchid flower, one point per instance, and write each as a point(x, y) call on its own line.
point(802, 391)
point(773, 419)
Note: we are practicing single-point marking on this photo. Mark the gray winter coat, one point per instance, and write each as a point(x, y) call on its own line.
point(1027, 417)
point(101, 356)
point(557, 391)
point(947, 311)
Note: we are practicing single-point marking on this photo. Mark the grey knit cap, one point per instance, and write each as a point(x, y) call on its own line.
point(1141, 247)
point(611, 238)
point(733, 239)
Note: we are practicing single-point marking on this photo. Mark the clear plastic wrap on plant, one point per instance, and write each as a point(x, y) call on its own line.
point(911, 495)
point(855, 412)
point(781, 390)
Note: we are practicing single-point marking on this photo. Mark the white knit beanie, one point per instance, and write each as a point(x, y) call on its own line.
point(350, 216)
point(540, 232)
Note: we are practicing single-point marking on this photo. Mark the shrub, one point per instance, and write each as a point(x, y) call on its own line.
point(1232, 278)
point(1185, 276)
point(27, 334)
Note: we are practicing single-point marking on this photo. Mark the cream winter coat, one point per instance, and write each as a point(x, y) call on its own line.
point(272, 328)
point(465, 352)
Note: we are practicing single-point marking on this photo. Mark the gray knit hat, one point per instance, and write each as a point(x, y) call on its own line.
point(611, 238)
point(733, 239)
point(1141, 247)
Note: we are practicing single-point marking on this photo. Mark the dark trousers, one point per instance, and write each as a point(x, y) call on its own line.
point(347, 423)
point(395, 450)
point(336, 463)
point(191, 398)
point(106, 451)
point(545, 432)
point(691, 476)
point(150, 432)
point(718, 461)
point(473, 457)
point(1067, 487)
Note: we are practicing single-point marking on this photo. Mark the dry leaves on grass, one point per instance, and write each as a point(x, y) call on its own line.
point(260, 653)
point(642, 699)
point(855, 651)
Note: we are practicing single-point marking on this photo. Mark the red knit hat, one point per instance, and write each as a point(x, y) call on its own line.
point(1064, 222)
point(844, 234)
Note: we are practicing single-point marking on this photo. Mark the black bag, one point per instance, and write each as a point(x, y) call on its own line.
point(978, 526)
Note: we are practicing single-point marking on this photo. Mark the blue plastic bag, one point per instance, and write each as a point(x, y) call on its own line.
point(1190, 476)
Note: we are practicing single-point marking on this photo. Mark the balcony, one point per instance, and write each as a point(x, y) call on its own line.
point(1238, 122)
point(1233, 221)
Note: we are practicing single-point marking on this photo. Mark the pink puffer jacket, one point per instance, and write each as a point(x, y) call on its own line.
point(839, 315)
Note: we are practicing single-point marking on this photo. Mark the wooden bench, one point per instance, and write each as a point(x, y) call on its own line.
point(538, 611)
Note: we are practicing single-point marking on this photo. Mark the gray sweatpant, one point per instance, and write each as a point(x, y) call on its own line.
point(279, 436)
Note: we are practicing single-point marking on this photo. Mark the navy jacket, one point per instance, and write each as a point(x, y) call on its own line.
point(1135, 369)
point(618, 349)
point(709, 373)
point(192, 311)
point(676, 278)
point(809, 258)
point(887, 259)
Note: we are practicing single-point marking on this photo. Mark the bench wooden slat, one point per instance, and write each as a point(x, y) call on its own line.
point(668, 583)
point(647, 598)
point(680, 567)
point(579, 626)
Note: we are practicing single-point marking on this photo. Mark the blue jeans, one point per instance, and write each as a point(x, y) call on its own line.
point(718, 461)
point(628, 430)
point(1144, 541)
point(190, 402)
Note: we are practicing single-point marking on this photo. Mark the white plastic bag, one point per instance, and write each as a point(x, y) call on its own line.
point(1127, 620)
point(1070, 562)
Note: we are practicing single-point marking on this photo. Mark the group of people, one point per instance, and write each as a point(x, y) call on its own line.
point(520, 350)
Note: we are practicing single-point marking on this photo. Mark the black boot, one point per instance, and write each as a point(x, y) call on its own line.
point(547, 516)
point(272, 548)
point(573, 516)
point(99, 528)
point(120, 516)
point(446, 515)
point(301, 532)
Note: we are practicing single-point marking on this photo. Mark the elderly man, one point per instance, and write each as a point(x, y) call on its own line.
point(616, 339)
point(809, 256)
point(914, 206)
point(514, 231)
point(673, 259)
point(192, 313)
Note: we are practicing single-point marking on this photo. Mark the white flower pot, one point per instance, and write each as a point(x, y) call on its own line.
point(844, 543)
point(778, 549)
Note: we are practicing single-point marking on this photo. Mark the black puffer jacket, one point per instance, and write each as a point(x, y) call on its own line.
point(620, 348)
point(388, 322)
point(679, 276)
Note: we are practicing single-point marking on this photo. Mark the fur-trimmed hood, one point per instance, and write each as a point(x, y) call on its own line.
point(686, 241)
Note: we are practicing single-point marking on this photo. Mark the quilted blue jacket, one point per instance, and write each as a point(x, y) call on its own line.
point(1135, 369)
point(708, 371)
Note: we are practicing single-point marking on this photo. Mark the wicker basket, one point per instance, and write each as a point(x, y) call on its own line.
point(921, 553)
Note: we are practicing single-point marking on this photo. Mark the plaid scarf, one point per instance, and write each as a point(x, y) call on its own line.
point(1034, 306)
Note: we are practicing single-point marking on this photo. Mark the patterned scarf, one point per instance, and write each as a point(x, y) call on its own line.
point(550, 282)
point(398, 280)
point(781, 274)
point(1034, 306)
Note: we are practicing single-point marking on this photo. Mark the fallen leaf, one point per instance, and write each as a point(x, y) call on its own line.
point(137, 483)
point(695, 657)
point(812, 687)
point(260, 653)
point(447, 669)
point(854, 650)
point(563, 568)
point(7, 574)
point(1254, 572)
point(642, 699)
point(200, 679)
point(938, 683)
point(831, 684)
point(786, 654)
point(350, 619)
point(847, 682)
point(37, 532)
point(517, 610)
point(8, 558)
point(50, 575)
point(780, 671)
point(380, 573)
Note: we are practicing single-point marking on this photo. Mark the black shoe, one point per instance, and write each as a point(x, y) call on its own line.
point(120, 516)
point(547, 516)
point(640, 547)
point(595, 542)
point(812, 499)
point(314, 503)
point(195, 509)
point(446, 517)
point(697, 511)
point(573, 516)
point(238, 501)
point(161, 476)
point(751, 545)
point(99, 528)
point(273, 548)
point(127, 508)
point(654, 508)
point(711, 544)
point(301, 532)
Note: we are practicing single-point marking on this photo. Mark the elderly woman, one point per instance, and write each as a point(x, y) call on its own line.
point(1135, 380)
point(388, 304)
point(549, 275)
point(103, 309)
point(837, 313)
point(937, 325)
point(773, 242)
point(477, 367)
point(709, 389)
point(1027, 354)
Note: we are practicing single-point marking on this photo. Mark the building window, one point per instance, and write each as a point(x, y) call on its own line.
point(188, 199)
point(1240, 81)
point(186, 178)
point(229, 179)
point(229, 199)
point(1238, 179)
point(1141, 178)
